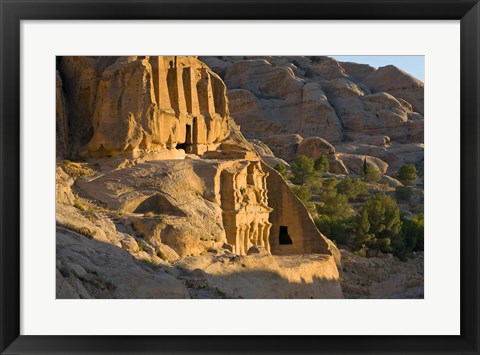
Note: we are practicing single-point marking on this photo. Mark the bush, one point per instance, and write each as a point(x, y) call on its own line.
point(335, 205)
point(403, 193)
point(302, 169)
point(352, 188)
point(378, 223)
point(412, 233)
point(338, 230)
point(407, 172)
point(321, 164)
point(370, 172)
point(303, 193)
point(282, 170)
point(329, 184)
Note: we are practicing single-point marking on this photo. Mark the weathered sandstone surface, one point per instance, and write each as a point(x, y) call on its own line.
point(163, 180)
point(139, 105)
point(354, 108)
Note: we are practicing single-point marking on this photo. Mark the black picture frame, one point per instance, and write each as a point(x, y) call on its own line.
point(13, 11)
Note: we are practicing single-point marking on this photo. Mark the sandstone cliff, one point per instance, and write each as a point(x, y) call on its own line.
point(163, 181)
point(359, 109)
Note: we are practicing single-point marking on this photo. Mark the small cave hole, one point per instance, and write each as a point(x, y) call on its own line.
point(187, 146)
point(283, 236)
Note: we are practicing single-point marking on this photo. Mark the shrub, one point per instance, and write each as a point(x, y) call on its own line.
point(372, 173)
point(403, 193)
point(352, 188)
point(302, 169)
point(378, 223)
point(303, 193)
point(321, 164)
point(412, 233)
point(282, 170)
point(334, 205)
point(407, 172)
point(329, 184)
point(338, 230)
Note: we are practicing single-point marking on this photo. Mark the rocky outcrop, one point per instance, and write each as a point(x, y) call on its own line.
point(87, 268)
point(313, 147)
point(399, 84)
point(62, 143)
point(265, 98)
point(318, 96)
point(139, 105)
point(261, 275)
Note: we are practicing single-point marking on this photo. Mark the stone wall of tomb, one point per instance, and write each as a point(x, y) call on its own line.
point(244, 201)
point(138, 105)
point(290, 217)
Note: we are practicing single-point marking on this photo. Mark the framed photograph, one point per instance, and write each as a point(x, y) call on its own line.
point(239, 177)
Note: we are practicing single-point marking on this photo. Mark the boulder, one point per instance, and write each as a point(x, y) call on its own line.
point(398, 83)
point(110, 272)
point(313, 147)
point(284, 146)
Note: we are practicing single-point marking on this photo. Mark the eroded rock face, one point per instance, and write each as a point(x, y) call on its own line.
point(265, 99)
point(61, 119)
point(133, 115)
point(319, 96)
point(139, 105)
point(399, 84)
point(89, 269)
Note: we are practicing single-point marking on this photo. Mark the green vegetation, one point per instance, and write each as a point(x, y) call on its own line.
point(321, 164)
point(411, 237)
point(353, 211)
point(303, 170)
point(335, 205)
point(282, 170)
point(352, 188)
point(370, 172)
point(378, 223)
point(339, 230)
point(303, 193)
point(403, 193)
point(407, 173)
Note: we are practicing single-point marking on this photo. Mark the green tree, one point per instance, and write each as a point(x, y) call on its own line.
point(302, 169)
point(338, 230)
point(303, 193)
point(372, 173)
point(335, 205)
point(282, 170)
point(407, 172)
point(412, 232)
point(321, 164)
point(363, 172)
point(329, 184)
point(352, 188)
point(384, 224)
point(403, 193)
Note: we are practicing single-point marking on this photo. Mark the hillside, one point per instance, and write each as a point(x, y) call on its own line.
point(177, 177)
